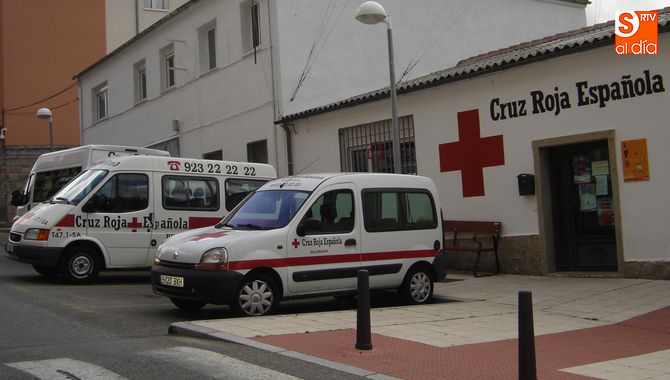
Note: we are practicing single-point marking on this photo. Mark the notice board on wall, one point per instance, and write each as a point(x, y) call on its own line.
point(635, 160)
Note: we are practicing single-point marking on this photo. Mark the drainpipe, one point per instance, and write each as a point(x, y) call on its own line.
point(81, 110)
point(289, 148)
point(137, 17)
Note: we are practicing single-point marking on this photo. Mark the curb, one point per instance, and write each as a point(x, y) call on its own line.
point(192, 330)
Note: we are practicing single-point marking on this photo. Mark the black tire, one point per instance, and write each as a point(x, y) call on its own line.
point(80, 265)
point(257, 295)
point(46, 270)
point(188, 304)
point(417, 287)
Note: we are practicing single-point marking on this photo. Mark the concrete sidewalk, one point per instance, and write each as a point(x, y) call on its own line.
point(605, 328)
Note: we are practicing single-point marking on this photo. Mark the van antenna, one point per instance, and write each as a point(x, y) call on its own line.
point(301, 170)
point(308, 165)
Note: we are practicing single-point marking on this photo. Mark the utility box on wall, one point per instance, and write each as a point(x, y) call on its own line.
point(526, 184)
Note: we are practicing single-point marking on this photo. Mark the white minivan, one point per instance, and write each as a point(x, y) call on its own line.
point(309, 235)
point(51, 171)
point(116, 213)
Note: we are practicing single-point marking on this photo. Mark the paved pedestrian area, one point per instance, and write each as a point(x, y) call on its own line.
point(606, 328)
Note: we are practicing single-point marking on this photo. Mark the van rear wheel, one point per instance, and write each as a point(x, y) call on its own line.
point(188, 304)
point(417, 288)
point(80, 265)
point(45, 270)
point(257, 295)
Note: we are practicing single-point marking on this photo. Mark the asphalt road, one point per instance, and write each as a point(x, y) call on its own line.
point(117, 328)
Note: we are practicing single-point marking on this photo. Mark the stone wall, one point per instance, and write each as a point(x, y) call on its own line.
point(517, 255)
point(15, 164)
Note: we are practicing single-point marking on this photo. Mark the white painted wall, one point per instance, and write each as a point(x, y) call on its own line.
point(222, 109)
point(644, 207)
point(352, 58)
point(233, 105)
point(121, 17)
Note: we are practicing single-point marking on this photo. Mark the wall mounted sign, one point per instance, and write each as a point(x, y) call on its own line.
point(635, 160)
point(583, 94)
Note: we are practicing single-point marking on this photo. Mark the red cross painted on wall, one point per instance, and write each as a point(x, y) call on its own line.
point(295, 243)
point(134, 224)
point(471, 154)
point(209, 235)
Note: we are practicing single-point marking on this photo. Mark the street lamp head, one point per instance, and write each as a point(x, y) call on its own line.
point(370, 12)
point(44, 113)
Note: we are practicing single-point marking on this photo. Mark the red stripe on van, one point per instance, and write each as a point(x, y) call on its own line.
point(67, 221)
point(198, 222)
point(330, 259)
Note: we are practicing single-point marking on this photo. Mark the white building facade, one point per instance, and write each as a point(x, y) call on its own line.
point(587, 127)
point(127, 18)
point(209, 79)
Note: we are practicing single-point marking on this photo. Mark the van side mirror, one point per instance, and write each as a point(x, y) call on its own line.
point(17, 199)
point(308, 226)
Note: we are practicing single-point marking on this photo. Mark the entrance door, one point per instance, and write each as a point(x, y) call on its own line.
point(582, 201)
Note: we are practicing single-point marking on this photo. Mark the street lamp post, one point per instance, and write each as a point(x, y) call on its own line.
point(370, 13)
point(45, 113)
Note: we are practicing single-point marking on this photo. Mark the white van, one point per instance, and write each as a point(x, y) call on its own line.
point(51, 171)
point(115, 214)
point(309, 235)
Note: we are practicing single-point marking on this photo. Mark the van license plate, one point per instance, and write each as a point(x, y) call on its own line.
point(9, 247)
point(172, 281)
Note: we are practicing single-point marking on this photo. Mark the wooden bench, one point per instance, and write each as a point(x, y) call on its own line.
point(479, 229)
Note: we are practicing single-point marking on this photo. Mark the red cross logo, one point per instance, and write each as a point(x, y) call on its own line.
point(134, 224)
point(209, 235)
point(295, 243)
point(471, 154)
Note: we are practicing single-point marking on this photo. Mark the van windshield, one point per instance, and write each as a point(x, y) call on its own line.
point(266, 210)
point(76, 190)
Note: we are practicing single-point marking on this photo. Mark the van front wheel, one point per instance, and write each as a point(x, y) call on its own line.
point(80, 265)
point(417, 288)
point(257, 295)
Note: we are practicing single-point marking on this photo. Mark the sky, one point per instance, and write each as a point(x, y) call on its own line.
point(604, 10)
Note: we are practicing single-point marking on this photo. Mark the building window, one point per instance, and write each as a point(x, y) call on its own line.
point(156, 4)
point(251, 29)
point(258, 152)
point(140, 81)
point(207, 47)
point(171, 145)
point(100, 102)
point(167, 67)
point(215, 155)
point(369, 147)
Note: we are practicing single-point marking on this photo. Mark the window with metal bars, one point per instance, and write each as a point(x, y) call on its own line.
point(369, 147)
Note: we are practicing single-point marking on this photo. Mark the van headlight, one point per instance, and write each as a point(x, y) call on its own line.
point(36, 234)
point(157, 258)
point(214, 259)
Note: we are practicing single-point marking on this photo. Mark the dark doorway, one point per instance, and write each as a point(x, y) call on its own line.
point(583, 205)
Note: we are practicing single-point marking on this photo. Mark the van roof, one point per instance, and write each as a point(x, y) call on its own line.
point(129, 149)
point(309, 182)
point(181, 165)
